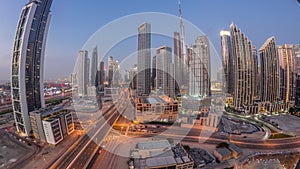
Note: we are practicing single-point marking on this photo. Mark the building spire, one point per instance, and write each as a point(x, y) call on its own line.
point(182, 34)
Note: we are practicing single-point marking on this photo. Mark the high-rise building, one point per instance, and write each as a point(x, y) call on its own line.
point(171, 81)
point(165, 78)
point(297, 96)
point(82, 72)
point(256, 73)
point(27, 75)
point(133, 77)
point(178, 61)
point(114, 76)
point(184, 59)
point(101, 73)
point(228, 62)
point(269, 88)
point(244, 61)
point(153, 76)
point(287, 72)
point(94, 65)
point(73, 79)
point(117, 78)
point(297, 58)
point(144, 59)
point(110, 70)
point(199, 68)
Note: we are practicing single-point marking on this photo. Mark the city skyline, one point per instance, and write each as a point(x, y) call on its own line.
point(151, 89)
point(59, 49)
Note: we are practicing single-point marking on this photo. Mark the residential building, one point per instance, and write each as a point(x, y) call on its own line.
point(287, 73)
point(228, 61)
point(144, 60)
point(82, 72)
point(27, 73)
point(94, 67)
point(165, 71)
point(269, 91)
point(244, 65)
point(199, 68)
point(153, 73)
point(51, 125)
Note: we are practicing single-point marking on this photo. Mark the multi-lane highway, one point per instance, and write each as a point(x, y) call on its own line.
point(80, 154)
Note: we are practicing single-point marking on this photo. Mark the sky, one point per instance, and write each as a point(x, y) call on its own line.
point(74, 21)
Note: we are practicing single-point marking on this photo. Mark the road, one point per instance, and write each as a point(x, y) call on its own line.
point(66, 159)
point(80, 156)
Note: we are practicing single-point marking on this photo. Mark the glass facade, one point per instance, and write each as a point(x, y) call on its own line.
point(27, 61)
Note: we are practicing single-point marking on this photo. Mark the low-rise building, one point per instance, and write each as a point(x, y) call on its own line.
point(51, 125)
point(156, 108)
point(226, 153)
point(204, 118)
point(222, 154)
point(161, 155)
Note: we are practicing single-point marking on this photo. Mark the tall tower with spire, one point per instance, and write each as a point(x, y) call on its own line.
point(183, 47)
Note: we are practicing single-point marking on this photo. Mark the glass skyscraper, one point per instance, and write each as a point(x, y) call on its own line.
point(228, 61)
point(144, 59)
point(27, 74)
point(199, 68)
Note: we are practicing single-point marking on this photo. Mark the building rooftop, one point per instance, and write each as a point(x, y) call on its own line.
point(223, 151)
point(153, 145)
point(160, 161)
point(152, 100)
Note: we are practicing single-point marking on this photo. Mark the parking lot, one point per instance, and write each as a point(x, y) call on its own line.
point(237, 126)
point(288, 123)
point(10, 151)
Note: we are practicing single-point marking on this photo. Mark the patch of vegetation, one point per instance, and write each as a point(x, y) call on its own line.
point(279, 135)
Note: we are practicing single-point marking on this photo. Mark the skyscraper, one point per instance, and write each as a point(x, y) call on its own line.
point(171, 81)
point(101, 73)
point(165, 78)
point(183, 51)
point(287, 72)
point(110, 70)
point(94, 65)
point(153, 76)
point(228, 61)
point(297, 96)
point(144, 59)
point(82, 72)
point(199, 68)
point(27, 75)
point(269, 91)
point(256, 73)
point(243, 69)
point(178, 61)
point(297, 57)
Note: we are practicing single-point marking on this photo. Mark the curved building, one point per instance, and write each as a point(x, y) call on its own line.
point(244, 55)
point(27, 74)
point(269, 72)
